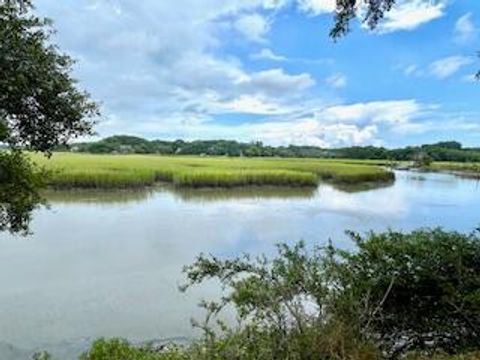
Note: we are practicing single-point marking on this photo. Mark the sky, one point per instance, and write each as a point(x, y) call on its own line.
point(266, 70)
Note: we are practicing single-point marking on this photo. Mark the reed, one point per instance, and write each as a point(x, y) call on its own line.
point(132, 171)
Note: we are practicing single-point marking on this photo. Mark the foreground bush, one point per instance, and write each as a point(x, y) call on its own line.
point(118, 349)
point(395, 292)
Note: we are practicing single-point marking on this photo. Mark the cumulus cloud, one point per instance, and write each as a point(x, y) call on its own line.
point(317, 7)
point(347, 124)
point(410, 14)
point(253, 104)
point(277, 82)
point(253, 26)
point(405, 14)
point(391, 112)
point(327, 126)
point(465, 30)
point(446, 67)
point(315, 133)
point(159, 60)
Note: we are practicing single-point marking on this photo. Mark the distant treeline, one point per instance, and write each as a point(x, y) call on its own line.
point(123, 144)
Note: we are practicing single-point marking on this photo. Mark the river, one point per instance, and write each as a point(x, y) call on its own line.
point(110, 263)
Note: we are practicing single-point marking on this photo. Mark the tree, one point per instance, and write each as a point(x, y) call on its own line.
point(40, 107)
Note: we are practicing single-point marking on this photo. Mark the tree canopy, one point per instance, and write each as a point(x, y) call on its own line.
point(124, 144)
point(40, 106)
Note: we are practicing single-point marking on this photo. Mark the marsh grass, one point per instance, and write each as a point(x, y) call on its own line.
point(69, 170)
point(466, 168)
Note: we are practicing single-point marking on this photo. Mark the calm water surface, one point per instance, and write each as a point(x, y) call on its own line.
point(109, 264)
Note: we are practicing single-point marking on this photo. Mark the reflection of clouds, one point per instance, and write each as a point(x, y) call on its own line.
point(382, 203)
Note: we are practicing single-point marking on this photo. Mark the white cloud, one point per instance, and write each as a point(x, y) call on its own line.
point(410, 14)
point(317, 7)
point(337, 81)
point(446, 67)
point(267, 54)
point(258, 105)
point(162, 61)
point(325, 126)
point(348, 124)
point(161, 70)
point(276, 82)
point(328, 126)
point(411, 70)
point(390, 112)
point(465, 30)
point(405, 14)
point(315, 133)
point(253, 26)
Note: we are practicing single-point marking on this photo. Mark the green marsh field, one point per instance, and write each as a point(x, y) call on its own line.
point(465, 168)
point(68, 170)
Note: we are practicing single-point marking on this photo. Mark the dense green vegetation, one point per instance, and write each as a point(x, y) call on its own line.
point(395, 295)
point(118, 349)
point(442, 151)
point(467, 169)
point(41, 108)
point(122, 171)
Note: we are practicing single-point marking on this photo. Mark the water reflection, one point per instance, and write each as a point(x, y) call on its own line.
point(354, 188)
point(89, 196)
point(254, 192)
point(198, 195)
point(109, 264)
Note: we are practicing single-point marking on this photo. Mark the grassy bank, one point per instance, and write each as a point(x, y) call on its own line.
point(129, 171)
point(467, 169)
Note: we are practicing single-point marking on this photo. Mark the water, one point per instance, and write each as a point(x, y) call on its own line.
point(109, 264)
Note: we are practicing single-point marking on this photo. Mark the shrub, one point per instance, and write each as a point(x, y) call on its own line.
point(421, 289)
point(118, 349)
point(395, 292)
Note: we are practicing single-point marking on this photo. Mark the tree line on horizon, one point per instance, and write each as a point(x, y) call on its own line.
point(125, 144)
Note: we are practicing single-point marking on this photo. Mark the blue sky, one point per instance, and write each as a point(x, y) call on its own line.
point(266, 70)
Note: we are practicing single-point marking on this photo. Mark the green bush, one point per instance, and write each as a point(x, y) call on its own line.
point(394, 293)
point(423, 289)
point(118, 349)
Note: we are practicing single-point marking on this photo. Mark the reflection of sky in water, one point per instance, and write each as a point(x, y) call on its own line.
point(112, 268)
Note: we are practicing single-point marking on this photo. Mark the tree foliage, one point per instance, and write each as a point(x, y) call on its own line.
point(40, 106)
point(19, 184)
point(123, 144)
point(347, 10)
point(401, 292)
